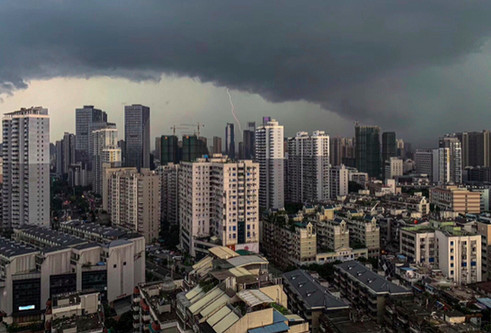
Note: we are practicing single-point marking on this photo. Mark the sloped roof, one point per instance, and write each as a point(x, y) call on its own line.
point(311, 292)
point(370, 279)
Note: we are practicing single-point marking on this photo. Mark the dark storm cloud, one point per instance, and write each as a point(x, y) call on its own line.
point(358, 58)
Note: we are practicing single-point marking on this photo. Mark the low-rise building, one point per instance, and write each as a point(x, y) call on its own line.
point(154, 306)
point(19, 276)
point(74, 312)
point(308, 298)
point(366, 289)
point(106, 259)
point(418, 244)
point(366, 233)
point(229, 292)
point(459, 255)
point(456, 199)
point(288, 242)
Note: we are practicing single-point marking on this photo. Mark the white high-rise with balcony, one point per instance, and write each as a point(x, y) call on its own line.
point(271, 158)
point(308, 167)
point(218, 204)
point(25, 193)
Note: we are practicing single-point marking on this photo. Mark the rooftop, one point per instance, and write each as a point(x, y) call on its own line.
point(94, 228)
point(223, 252)
point(312, 293)
point(247, 260)
point(370, 279)
point(9, 248)
point(54, 237)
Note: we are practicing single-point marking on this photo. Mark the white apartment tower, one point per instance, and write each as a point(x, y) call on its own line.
point(219, 204)
point(133, 200)
point(441, 166)
point(26, 188)
point(454, 151)
point(338, 181)
point(105, 153)
point(271, 159)
point(308, 167)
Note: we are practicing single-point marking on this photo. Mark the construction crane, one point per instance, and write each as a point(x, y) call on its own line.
point(174, 128)
point(198, 125)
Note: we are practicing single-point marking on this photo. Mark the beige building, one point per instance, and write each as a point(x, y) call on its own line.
point(219, 204)
point(456, 199)
point(332, 234)
point(288, 242)
point(133, 200)
point(484, 229)
point(366, 233)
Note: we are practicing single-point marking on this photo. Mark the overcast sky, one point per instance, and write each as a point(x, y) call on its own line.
point(421, 68)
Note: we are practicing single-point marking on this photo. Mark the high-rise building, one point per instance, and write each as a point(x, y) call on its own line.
point(401, 148)
point(270, 156)
point(367, 149)
point(338, 181)
point(248, 140)
point(441, 166)
point(169, 149)
point(389, 146)
point(218, 204)
point(158, 149)
point(69, 151)
point(137, 136)
point(475, 148)
point(133, 200)
point(105, 154)
point(25, 151)
point(193, 148)
point(169, 188)
point(217, 145)
point(455, 157)
point(230, 140)
point(424, 162)
point(308, 167)
point(87, 119)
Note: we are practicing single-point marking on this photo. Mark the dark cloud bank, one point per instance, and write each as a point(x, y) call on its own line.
point(407, 65)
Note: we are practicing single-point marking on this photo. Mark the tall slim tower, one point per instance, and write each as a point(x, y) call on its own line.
point(455, 157)
point(105, 152)
point(87, 119)
point(308, 167)
point(270, 156)
point(389, 146)
point(217, 145)
point(248, 140)
point(367, 150)
point(230, 140)
point(26, 190)
point(137, 136)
